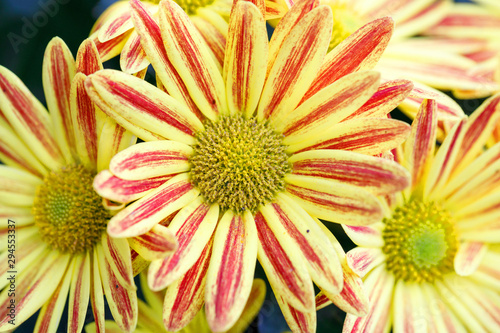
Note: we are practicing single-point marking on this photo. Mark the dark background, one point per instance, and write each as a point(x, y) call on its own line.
point(26, 27)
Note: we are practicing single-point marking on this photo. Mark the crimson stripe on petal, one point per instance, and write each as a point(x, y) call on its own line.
point(157, 243)
point(87, 58)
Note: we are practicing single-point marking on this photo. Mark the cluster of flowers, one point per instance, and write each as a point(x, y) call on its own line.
point(246, 143)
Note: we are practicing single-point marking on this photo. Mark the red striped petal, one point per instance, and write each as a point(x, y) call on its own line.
point(117, 252)
point(79, 293)
point(133, 57)
point(157, 243)
point(214, 34)
point(298, 321)
point(96, 294)
point(363, 259)
point(87, 58)
point(468, 257)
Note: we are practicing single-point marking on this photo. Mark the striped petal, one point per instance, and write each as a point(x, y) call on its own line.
point(113, 139)
point(379, 286)
point(419, 148)
point(362, 260)
point(87, 58)
point(246, 58)
point(133, 57)
point(214, 30)
point(119, 190)
point(252, 307)
point(139, 217)
point(139, 264)
point(50, 314)
point(184, 298)
point(151, 159)
point(193, 227)
point(111, 48)
point(328, 107)
point(295, 65)
point(117, 23)
point(96, 294)
point(146, 106)
point(117, 252)
point(468, 257)
point(156, 244)
point(231, 270)
point(57, 73)
point(79, 293)
point(322, 301)
point(334, 201)
point(191, 58)
point(377, 175)
point(410, 308)
point(285, 269)
point(298, 321)
point(48, 277)
point(366, 236)
point(370, 136)
point(293, 225)
point(152, 42)
point(121, 299)
point(29, 119)
point(360, 51)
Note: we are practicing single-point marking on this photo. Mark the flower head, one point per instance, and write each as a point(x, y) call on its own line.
point(431, 263)
point(282, 135)
point(58, 220)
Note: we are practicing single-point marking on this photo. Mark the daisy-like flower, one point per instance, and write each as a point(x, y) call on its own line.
point(114, 31)
point(49, 210)
point(151, 313)
point(432, 263)
point(284, 133)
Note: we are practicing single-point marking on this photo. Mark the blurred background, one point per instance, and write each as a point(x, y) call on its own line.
point(25, 29)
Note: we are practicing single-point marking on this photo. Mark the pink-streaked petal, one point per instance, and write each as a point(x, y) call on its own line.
point(370, 136)
point(49, 275)
point(387, 97)
point(366, 236)
point(117, 252)
point(50, 314)
point(122, 300)
point(468, 257)
point(360, 51)
point(145, 105)
point(284, 267)
point(275, 9)
point(113, 139)
point(191, 57)
point(377, 175)
point(297, 321)
point(79, 293)
point(87, 58)
point(151, 159)
point(57, 73)
point(419, 148)
point(139, 264)
point(293, 225)
point(28, 118)
point(111, 48)
point(231, 270)
point(329, 106)
point(96, 294)
point(322, 301)
point(193, 227)
point(379, 287)
point(116, 189)
point(116, 24)
point(152, 42)
point(214, 30)
point(184, 298)
point(139, 217)
point(296, 63)
point(363, 259)
point(246, 58)
point(157, 243)
point(133, 57)
point(334, 201)
point(410, 308)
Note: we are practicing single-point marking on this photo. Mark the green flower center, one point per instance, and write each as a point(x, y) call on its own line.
point(68, 212)
point(191, 6)
point(345, 22)
point(419, 242)
point(239, 163)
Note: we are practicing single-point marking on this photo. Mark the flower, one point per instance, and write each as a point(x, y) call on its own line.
point(151, 313)
point(114, 32)
point(432, 263)
point(283, 134)
point(58, 227)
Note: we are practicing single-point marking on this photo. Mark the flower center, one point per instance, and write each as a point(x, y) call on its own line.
point(239, 163)
point(345, 21)
point(419, 242)
point(68, 212)
point(191, 6)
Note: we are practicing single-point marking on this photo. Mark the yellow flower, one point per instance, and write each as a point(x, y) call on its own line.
point(51, 215)
point(283, 135)
point(432, 263)
point(114, 31)
point(151, 313)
